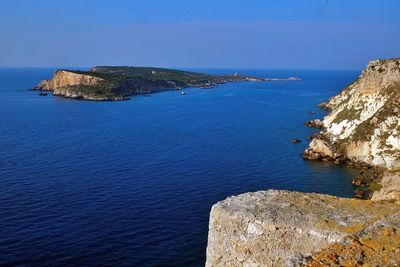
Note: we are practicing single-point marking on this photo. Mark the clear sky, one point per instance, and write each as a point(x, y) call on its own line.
point(329, 34)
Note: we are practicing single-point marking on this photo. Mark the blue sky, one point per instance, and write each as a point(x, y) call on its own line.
point(316, 34)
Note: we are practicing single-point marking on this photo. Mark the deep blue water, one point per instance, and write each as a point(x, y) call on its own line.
point(132, 183)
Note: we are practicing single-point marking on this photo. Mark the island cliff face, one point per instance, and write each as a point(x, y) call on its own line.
point(363, 125)
point(281, 228)
point(66, 78)
point(66, 83)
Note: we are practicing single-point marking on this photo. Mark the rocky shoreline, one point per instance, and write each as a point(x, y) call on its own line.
point(281, 228)
point(362, 126)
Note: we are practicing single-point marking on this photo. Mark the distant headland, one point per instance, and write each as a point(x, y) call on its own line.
point(104, 83)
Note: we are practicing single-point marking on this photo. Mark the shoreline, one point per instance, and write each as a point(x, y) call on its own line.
point(369, 178)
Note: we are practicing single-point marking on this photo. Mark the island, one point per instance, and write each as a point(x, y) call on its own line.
point(111, 83)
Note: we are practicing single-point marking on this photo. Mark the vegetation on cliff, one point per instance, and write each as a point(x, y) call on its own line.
point(364, 122)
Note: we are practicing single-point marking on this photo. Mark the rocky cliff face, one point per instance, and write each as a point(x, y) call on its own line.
point(69, 84)
point(364, 123)
point(390, 188)
point(281, 228)
point(63, 78)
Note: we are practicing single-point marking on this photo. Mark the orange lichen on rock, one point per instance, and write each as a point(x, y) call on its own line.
point(376, 246)
point(282, 228)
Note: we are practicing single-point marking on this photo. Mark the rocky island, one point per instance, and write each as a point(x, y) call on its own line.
point(105, 83)
point(281, 228)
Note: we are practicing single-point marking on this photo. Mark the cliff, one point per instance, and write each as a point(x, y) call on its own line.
point(363, 125)
point(281, 228)
point(70, 84)
point(117, 83)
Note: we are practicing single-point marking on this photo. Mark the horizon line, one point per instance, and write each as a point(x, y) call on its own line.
point(200, 67)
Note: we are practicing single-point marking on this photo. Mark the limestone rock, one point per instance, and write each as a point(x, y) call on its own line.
point(390, 188)
point(364, 122)
point(377, 245)
point(63, 78)
point(281, 228)
point(322, 147)
point(319, 149)
point(316, 123)
point(67, 83)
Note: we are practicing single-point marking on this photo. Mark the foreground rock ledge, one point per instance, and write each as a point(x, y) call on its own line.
point(282, 228)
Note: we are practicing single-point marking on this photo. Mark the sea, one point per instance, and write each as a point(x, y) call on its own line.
point(131, 183)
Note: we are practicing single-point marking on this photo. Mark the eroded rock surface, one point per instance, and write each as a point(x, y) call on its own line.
point(67, 83)
point(390, 188)
point(364, 123)
point(63, 78)
point(316, 123)
point(377, 245)
point(281, 228)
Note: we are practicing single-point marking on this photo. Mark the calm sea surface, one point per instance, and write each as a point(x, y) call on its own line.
point(132, 183)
